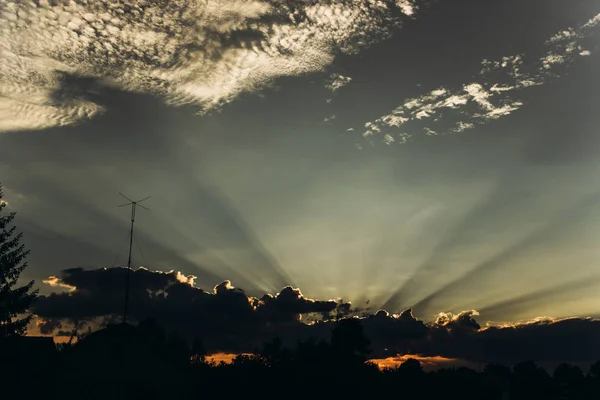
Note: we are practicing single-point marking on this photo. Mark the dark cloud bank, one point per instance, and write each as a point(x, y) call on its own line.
point(229, 320)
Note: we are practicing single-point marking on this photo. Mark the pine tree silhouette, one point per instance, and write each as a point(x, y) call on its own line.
point(14, 301)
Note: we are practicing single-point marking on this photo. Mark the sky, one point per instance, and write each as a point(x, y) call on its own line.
point(439, 156)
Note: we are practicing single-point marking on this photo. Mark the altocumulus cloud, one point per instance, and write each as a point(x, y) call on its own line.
point(198, 52)
point(231, 321)
point(493, 95)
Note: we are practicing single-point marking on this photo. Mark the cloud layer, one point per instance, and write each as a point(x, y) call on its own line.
point(493, 95)
point(173, 300)
point(231, 321)
point(199, 52)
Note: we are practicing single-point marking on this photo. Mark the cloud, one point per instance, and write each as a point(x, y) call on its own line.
point(492, 96)
point(289, 304)
point(408, 7)
point(172, 299)
point(396, 333)
point(55, 281)
point(199, 52)
point(231, 321)
point(336, 81)
point(462, 321)
point(47, 327)
point(542, 341)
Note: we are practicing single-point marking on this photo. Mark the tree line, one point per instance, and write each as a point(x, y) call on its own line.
point(334, 368)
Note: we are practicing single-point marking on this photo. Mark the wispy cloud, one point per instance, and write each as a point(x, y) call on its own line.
point(493, 96)
point(55, 281)
point(199, 52)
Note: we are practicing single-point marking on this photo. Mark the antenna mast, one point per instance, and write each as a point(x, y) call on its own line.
point(133, 204)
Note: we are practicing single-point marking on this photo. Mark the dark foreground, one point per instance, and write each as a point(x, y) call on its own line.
point(126, 362)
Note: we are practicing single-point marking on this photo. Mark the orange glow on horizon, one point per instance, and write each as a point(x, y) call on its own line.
point(428, 362)
point(226, 358)
point(34, 330)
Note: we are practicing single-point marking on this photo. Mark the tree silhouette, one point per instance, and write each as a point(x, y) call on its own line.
point(274, 352)
point(411, 368)
point(349, 342)
point(14, 301)
point(531, 381)
point(198, 354)
point(594, 371)
point(178, 347)
point(569, 381)
point(150, 328)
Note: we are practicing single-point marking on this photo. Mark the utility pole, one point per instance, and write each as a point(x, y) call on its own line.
point(133, 204)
